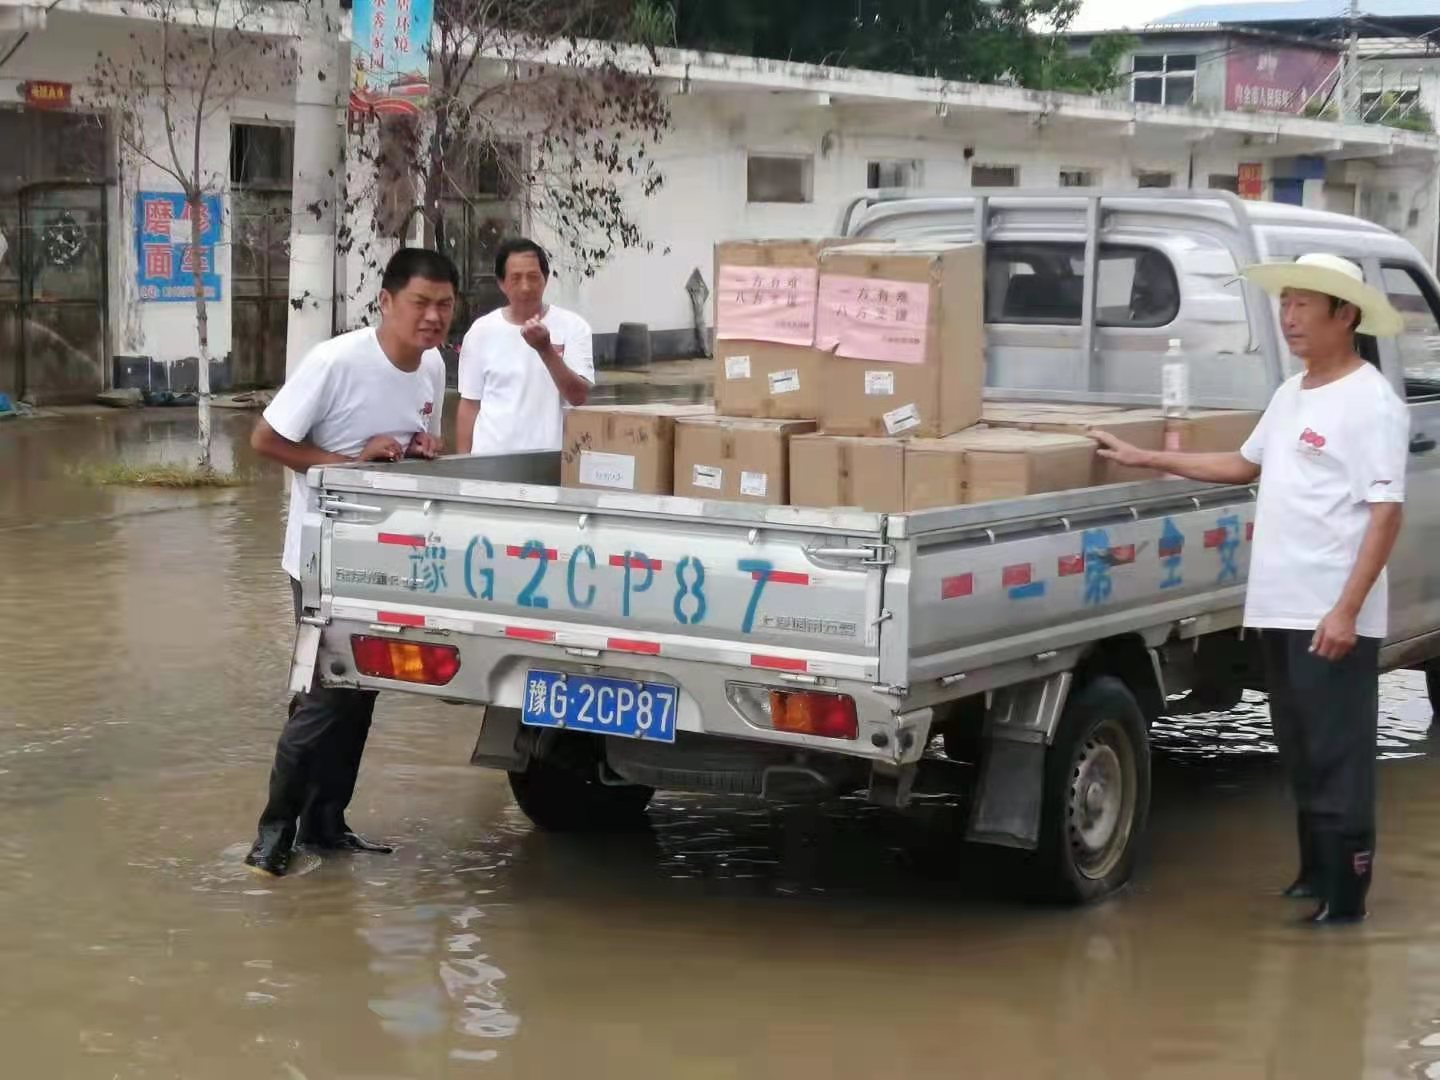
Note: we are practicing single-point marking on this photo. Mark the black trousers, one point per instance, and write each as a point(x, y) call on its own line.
point(1325, 714)
point(317, 758)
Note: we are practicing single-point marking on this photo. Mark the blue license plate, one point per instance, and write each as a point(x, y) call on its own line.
point(638, 710)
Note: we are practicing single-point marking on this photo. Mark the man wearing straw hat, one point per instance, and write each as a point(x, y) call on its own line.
point(1330, 453)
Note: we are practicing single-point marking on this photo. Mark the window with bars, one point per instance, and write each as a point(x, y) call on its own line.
point(892, 174)
point(1077, 178)
point(1163, 79)
point(779, 178)
point(262, 156)
point(994, 176)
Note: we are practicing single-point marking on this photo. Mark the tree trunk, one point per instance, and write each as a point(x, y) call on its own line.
point(195, 200)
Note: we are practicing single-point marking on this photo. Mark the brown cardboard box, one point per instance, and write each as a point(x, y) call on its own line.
point(1206, 431)
point(1139, 429)
point(935, 472)
point(841, 470)
point(735, 458)
point(1005, 464)
point(769, 378)
point(872, 297)
point(1006, 409)
point(622, 447)
point(1209, 431)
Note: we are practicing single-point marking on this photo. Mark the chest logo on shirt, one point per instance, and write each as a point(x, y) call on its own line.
point(428, 409)
point(1311, 442)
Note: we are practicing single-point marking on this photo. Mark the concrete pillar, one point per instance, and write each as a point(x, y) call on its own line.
point(320, 80)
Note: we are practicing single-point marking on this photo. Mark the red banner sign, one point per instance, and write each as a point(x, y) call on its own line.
point(1251, 180)
point(46, 95)
point(1261, 78)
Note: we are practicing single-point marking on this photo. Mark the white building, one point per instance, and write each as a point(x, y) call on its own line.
point(756, 148)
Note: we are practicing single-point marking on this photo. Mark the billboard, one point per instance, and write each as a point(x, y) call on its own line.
point(166, 247)
point(392, 56)
point(1280, 78)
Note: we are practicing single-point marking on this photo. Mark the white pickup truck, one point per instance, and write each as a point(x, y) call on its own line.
point(630, 643)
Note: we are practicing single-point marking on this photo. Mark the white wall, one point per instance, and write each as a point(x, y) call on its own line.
point(704, 197)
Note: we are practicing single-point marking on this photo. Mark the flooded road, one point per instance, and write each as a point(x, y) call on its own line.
point(142, 656)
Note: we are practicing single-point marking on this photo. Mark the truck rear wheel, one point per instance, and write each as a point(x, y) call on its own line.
point(1097, 794)
point(565, 796)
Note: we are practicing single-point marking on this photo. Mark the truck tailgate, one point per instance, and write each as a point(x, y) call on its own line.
point(771, 588)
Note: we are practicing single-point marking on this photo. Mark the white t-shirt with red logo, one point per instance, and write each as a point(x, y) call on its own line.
point(1325, 455)
point(520, 408)
point(345, 392)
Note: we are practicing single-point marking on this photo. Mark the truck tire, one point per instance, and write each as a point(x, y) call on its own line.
point(561, 799)
point(1097, 794)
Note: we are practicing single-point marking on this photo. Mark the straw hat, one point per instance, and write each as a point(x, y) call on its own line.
point(1332, 276)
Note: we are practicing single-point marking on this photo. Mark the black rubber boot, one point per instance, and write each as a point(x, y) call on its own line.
point(1306, 883)
point(328, 831)
point(1348, 863)
point(270, 854)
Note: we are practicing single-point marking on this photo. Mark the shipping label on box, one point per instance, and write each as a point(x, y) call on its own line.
point(623, 447)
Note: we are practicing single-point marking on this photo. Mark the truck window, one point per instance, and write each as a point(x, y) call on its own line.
point(1043, 283)
point(1419, 342)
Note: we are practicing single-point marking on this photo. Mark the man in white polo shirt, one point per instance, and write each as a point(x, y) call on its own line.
point(370, 395)
point(1330, 453)
point(522, 365)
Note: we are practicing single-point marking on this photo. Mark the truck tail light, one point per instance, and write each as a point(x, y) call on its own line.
point(831, 716)
point(405, 661)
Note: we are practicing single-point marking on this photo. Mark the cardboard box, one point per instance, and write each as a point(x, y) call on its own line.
point(1011, 409)
point(842, 470)
point(936, 473)
point(1205, 431)
point(904, 329)
point(1139, 429)
point(1210, 431)
point(765, 361)
point(623, 447)
point(735, 458)
point(1006, 464)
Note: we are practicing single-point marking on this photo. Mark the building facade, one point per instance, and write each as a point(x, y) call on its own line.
point(94, 293)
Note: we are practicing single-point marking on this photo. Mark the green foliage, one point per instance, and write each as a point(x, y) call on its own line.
point(1014, 41)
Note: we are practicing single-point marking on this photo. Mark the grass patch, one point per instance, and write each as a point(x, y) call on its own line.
point(119, 474)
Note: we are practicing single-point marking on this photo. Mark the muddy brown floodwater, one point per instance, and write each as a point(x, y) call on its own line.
point(142, 652)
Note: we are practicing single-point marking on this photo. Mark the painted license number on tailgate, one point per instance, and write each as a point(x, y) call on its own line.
point(638, 710)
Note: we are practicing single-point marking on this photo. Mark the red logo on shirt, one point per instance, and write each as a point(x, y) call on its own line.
point(428, 409)
point(1310, 437)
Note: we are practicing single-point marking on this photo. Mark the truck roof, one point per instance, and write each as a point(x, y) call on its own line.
point(1280, 227)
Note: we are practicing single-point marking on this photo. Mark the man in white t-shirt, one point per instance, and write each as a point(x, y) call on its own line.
point(369, 395)
point(1330, 453)
point(522, 365)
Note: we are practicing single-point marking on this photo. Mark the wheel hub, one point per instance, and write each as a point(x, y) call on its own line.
point(1102, 800)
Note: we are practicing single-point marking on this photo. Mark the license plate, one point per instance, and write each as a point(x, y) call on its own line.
point(638, 710)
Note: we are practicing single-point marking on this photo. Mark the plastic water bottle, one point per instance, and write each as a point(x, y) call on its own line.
point(1174, 392)
point(1175, 382)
